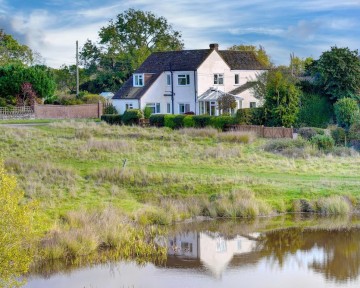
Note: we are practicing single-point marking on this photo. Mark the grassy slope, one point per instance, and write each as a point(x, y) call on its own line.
point(74, 165)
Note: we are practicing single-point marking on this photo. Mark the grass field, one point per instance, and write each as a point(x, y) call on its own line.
point(158, 176)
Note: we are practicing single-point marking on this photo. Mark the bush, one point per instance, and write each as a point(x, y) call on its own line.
point(169, 121)
point(147, 112)
point(354, 135)
point(346, 109)
point(111, 119)
point(250, 116)
point(315, 111)
point(339, 135)
point(202, 121)
point(132, 116)
point(220, 122)
point(189, 121)
point(110, 109)
point(179, 121)
point(157, 120)
point(323, 142)
point(309, 132)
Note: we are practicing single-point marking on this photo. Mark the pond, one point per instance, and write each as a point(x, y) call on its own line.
point(279, 252)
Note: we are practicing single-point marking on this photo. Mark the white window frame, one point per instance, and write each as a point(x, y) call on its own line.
point(129, 106)
point(185, 78)
point(168, 108)
point(237, 77)
point(184, 105)
point(155, 106)
point(168, 79)
point(219, 79)
point(252, 104)
point(138, 80)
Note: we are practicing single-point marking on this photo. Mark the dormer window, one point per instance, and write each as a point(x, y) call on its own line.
point(138, 80)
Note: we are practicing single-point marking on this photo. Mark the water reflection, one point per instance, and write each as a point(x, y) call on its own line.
point(258, 253)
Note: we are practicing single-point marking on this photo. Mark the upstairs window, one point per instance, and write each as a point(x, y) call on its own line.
point(138, 80)
point(168, 79)
point(237, 79)
point(183, 79)
point(219, 79)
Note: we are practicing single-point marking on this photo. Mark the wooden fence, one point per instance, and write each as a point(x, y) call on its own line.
point(22, 112)
point(262, 131)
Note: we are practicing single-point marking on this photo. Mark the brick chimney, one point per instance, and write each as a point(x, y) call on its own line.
point(214, 46)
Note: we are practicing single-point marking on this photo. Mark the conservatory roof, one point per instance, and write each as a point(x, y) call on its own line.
point(213, 94)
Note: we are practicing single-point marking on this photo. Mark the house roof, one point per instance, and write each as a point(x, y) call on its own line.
point(243, 88)
point(128, 91)
point(214, 94)
point(184, 60)
point(241, 60)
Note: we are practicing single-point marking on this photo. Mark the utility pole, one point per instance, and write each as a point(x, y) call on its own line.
point(77, 69)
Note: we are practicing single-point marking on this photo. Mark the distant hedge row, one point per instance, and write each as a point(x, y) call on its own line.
point(252, 116)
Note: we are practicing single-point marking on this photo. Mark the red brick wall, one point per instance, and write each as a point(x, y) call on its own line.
point(68, 111)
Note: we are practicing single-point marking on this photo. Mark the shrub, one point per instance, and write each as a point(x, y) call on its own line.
point(244, 116)
point(354, 135)
point(220, 122)
point(333, 205)
point(315, 111)
point(202, 121)
point(132, 116)
point(179, 121)
point(189, 121)
point(147, 112)
point(339, 135)
point(323, 142)
point(309, 132)
point(110, 109)
point(346, 109)
point(257, 116)
point(174, 121)
point(169, 121)
point(157, 120)
point(111, 119)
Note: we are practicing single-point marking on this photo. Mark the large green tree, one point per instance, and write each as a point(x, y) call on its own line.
point(13, 52)
point(281, 99)
point(125, 43)
point(338, 72)
point(260, 53)
point(12, 77)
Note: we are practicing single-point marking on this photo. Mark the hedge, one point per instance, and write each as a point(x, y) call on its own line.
point(132, 116)
point(174, 121)
point(250, 116)
point(112, 119)
point(202, 121)
point(157, 120)
point(220, 122)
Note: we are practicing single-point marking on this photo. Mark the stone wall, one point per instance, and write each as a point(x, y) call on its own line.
point(68, 111)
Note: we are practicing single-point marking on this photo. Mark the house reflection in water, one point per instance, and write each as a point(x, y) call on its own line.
point(212, 250)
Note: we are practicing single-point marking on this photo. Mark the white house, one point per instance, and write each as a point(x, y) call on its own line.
point(177, 82)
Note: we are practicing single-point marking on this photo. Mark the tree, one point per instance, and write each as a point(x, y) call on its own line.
point(65, 78)
point(281, 100)
point(338, 72)
point(346, 111)
point(13, 76)
point(260, 53)
point(226, 102)
point(13, 52)
point(16, 231)
point(298, 66)
point(125, 43)
point(27, 96)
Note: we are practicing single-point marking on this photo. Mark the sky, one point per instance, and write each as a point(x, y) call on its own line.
point(306, 28)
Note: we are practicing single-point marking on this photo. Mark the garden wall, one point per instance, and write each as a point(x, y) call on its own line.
point(68, 111)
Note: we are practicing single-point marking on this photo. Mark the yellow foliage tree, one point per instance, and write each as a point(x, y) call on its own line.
point(16, 232)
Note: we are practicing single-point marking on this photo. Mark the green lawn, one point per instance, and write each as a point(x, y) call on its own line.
point(75, 165)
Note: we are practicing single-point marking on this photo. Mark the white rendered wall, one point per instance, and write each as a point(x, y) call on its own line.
point(120, 104)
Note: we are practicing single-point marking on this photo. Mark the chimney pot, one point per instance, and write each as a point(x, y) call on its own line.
point(214, 46)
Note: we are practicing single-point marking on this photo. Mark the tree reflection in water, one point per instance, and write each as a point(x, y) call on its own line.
point(341, 261)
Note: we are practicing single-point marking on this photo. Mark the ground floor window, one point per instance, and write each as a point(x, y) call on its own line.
point(168, 108)
point(155, 107)
point(252, 104)
point(207, 107)
point(129, 106)
point(184, 108)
